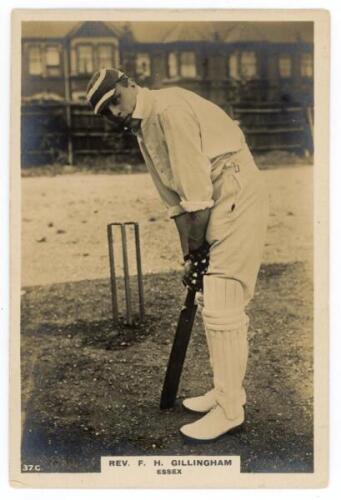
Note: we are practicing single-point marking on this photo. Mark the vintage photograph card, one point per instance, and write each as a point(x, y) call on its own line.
point(169, 248)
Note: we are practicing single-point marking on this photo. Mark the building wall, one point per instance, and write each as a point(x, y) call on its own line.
point(214, 76)
point(43, 82)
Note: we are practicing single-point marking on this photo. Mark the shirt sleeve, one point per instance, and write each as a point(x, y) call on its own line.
point(191, 169)
point(170, 198)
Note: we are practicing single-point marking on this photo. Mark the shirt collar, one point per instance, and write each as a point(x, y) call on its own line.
point(144, 104)
point(138, 112)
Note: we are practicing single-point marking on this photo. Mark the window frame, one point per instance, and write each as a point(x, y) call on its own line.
point(176, 59)
point(38, 47)
point(55, 66)
point(235, 55)
point(97, 49)
point(311, 55)
point(78, 47)
point(256, 74)
point(289, 57)
point(180, 64)
point(149, 65)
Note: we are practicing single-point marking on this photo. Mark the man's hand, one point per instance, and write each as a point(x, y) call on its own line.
point(196, 265)
point(192, 229)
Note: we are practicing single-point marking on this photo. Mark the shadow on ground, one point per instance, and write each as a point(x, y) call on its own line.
point(91, 389)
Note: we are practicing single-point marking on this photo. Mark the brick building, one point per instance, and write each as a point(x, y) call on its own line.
point(233, 64)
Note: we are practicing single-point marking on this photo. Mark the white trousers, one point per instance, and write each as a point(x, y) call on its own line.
point(236, 232)
point(237, 225)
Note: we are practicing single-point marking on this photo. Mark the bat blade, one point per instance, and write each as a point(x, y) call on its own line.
point(178, 351)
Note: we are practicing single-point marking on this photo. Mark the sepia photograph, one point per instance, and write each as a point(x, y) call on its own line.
point(164, 272)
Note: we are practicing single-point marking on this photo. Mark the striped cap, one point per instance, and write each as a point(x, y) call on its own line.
point(101, 88)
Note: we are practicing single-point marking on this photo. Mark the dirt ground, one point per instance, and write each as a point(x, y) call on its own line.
point(91, 389)
point(65, 218)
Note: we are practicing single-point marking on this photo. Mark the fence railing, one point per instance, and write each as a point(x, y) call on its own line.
point(49, 136)
point(71, 133)
point(275, 127)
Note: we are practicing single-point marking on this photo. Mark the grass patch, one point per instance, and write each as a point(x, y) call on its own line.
point(92, 389)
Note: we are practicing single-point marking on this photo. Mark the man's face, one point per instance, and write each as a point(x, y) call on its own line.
point(122, 105)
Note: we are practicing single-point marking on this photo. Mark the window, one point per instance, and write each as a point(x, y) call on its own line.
point(35, 64)
point(284, 66)
point(143, 69)
point(233, 66)
point(248, 65)
point(307, 67)
point(173, 70)
point(104, 54)
point(85, 59)
point(52, 60)
point(187, 64)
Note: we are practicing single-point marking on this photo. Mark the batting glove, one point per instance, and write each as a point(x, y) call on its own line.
point(195, 267)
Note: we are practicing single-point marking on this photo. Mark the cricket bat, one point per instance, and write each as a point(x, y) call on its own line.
point(178, 352)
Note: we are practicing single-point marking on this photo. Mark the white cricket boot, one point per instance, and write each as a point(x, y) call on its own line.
point(206, 402)
point(201, 404)
point(213, 425)
point(226, 324)
point(228, 412)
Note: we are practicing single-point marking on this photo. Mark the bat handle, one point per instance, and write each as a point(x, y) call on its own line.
point(190, 298)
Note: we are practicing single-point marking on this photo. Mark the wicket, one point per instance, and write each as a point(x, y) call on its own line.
point(110, 233)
